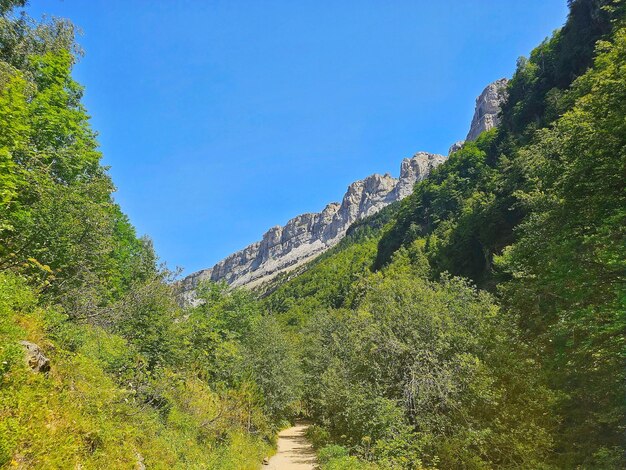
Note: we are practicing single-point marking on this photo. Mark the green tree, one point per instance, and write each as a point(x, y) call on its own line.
point(273, 365)
point(568, 266)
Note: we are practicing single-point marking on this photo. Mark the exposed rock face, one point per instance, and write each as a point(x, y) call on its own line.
point(455, 146)
point(486, 113)
point(307, 235)
point(413, 170)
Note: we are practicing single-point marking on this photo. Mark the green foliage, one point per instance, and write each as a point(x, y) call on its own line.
point(417, 373)
point(14, 297)
point(8, 5)
point(231, 344)
point(400, 362)
point(554, 64)
point(318, 436)
point(334, 457)
point(58, 223)
point(21, 37)
point(568, 285)
point(273, 365)
point(535, 210)
point(134, 378)
point(329, 282)
point(96, 409)
point(214, 330)
point(146, 317)
point(453, 209)
point(332, 452)
point(467, 209)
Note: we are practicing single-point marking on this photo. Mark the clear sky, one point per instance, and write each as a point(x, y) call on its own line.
point(220, 119)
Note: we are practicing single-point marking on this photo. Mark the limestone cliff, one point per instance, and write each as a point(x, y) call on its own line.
point(487, 110)
point(307, 235)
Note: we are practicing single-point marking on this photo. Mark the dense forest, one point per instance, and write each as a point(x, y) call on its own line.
point(479, 323)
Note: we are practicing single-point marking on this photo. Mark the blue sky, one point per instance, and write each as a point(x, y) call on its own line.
point(220, 119)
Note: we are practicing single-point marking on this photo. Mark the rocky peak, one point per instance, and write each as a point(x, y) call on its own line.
point(487, 110)
point(412, 170)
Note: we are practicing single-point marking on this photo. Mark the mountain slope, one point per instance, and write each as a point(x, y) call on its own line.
point(534, 211)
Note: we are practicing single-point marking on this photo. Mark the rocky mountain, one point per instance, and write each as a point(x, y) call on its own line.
point(307, 235)
point(283, 248)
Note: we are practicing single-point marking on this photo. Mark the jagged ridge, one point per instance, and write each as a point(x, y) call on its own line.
point(307, 235)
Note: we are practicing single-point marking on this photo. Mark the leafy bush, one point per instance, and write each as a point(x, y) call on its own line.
point(331, 452)
point(334, 457)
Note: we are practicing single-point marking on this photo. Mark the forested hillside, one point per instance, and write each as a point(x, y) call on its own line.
point(121, 376)
point(479, 323)
point(406, 363)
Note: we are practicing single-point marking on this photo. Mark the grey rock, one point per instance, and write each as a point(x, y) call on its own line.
point(140, 462)
point(487, 110)
point(455, 146)
point(307, 235)
point(35, 357)
point(413, 170)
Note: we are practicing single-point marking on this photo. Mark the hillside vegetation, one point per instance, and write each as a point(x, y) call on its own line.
point(134, 380)
point(480, 323)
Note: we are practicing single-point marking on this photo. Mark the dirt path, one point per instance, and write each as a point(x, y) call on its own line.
point(294, 451)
